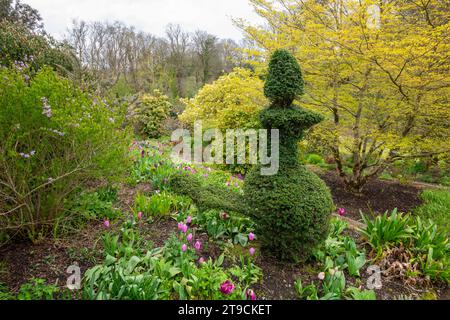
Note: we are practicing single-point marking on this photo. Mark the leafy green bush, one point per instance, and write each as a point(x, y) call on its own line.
point(222, 226)
point(386, 230)
point(291, 208)
point(53, 139)
point(205, 196)
point(436, 206)
point(427, 246)
point(314, 159)
point(340, 251)
point(21, 47)
point(149, 114)
point(37, 289)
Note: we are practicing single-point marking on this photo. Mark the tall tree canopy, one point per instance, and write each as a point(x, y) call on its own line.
point(378, 68)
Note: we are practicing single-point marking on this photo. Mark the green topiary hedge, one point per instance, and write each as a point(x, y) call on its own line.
point(205, 196)
point(292, 208)
point(285, 80)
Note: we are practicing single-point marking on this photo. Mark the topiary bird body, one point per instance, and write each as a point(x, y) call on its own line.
point(292, 208)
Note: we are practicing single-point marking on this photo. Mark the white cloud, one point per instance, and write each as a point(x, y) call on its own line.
point(151, 16)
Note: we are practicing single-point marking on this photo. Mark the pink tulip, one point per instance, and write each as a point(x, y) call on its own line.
point(139, 215)
point(184, 228)
point(198, 246)
point(189, 237)
point(251, 295)
point(342, 212)
point(189, 220)
point(227, 287)
point(184, 247)
point(106, 224)
point(180, 226)
point(201, 260)
point(252, 251)
point(251, 236)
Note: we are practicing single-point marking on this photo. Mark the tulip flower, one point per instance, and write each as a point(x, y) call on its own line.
point(227, 287)
point(189, 237)
point(251, 236)
point(139, 215)
point(201, 260)
point(184, 228)
point(198, 246)
point(342, 212)
point(251, 295)
point(106, 224)
point(189, 220)
point(184, 247)
point(252, 251)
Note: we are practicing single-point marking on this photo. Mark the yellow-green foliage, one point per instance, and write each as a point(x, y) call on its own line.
point(383, 84)
point(233, 101)
point(150, 113)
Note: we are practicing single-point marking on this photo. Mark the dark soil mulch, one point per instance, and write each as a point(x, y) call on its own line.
point(50, 258)
point(377, 197)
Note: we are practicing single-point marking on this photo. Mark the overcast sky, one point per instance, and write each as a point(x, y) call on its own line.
point(151, 16)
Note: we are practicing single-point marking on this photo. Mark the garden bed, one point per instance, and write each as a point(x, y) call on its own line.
point(49, 259)
point(377, 197)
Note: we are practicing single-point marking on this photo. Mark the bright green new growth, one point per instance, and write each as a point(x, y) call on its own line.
point(291, 209)
point(285, 80)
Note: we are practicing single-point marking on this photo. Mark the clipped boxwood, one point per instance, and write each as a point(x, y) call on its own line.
point(205, 196)
point(292, 208)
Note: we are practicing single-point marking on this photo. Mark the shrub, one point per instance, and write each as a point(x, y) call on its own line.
point(149, 114)
point(386, 230)
point(314, 159)
point(292, 208)
point(53, 139)
point(205, 196)
point(19, 45)
point(233, 101)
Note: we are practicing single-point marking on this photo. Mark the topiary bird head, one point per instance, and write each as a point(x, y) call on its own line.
point(285, 80)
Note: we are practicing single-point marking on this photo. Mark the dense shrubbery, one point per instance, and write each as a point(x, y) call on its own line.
point(150, 113)
point(206, 196)
point(231, 102)
point(427, 248)
point(19, 45)
point(292, 208)
point(54, 138)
